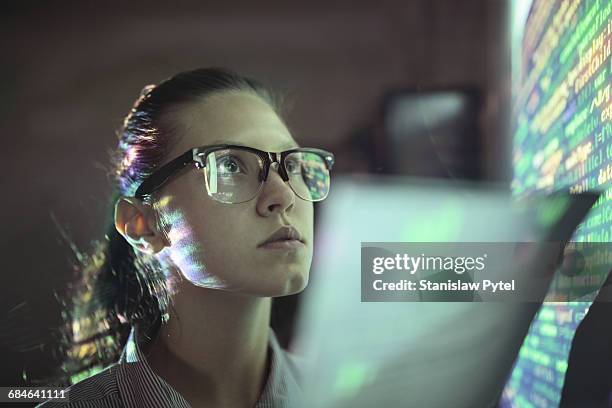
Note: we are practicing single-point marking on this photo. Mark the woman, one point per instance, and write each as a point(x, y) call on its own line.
point(213, 217)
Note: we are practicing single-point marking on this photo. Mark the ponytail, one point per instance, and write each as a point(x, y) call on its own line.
point(116, 288)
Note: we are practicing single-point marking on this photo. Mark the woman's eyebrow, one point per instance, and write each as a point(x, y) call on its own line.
point(286, 146)
point(290, 146)
point(216, 142)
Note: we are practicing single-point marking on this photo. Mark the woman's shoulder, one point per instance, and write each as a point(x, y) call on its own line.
point(98, 391)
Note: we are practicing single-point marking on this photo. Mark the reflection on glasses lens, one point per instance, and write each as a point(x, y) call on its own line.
point(235, 175)
point(308, 175)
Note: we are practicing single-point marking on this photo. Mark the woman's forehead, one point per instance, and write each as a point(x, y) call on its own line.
point(233, 118)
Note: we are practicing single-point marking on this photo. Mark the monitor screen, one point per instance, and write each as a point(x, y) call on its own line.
point(561, 91)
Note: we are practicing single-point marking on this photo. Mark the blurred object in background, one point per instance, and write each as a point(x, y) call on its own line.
point(430, 133)
point(588, 380)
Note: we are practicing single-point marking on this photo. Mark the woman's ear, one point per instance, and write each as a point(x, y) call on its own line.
point(133, 222)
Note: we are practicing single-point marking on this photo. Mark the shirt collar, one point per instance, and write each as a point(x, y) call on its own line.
point(140, 386)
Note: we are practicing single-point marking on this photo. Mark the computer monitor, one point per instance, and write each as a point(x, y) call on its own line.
point(562, 140)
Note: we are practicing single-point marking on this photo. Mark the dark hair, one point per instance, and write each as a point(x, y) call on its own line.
point(118, 287)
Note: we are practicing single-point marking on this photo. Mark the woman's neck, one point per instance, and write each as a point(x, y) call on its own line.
point(214, 348)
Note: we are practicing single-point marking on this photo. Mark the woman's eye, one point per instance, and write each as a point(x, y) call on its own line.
point(293, 166)
point(229, 165)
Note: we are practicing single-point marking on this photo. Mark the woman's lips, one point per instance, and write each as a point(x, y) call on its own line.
point(286, 244)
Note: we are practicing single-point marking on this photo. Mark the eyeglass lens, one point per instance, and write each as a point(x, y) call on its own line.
point(235, 175)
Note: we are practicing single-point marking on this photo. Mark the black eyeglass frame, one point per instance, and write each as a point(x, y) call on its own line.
point(198, 155)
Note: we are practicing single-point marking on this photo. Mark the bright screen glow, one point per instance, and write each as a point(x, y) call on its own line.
point(562, 140)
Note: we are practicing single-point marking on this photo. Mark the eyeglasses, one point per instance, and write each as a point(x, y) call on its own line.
point(235, 174)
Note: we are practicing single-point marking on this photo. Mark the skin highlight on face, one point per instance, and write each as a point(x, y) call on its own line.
point(184, 252)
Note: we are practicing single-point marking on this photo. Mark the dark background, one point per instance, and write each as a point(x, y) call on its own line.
point(71, 71)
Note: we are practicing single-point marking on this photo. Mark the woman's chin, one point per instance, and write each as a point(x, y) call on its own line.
point(284, 286)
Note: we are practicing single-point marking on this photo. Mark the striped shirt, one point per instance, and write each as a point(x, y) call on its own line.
point(131, 383)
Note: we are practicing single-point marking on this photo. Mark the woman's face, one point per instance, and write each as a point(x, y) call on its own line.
point(216, 245)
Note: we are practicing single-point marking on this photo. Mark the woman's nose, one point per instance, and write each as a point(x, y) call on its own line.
point(276, 195)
